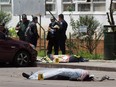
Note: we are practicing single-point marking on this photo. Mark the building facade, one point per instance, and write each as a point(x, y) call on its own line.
point(97, 8)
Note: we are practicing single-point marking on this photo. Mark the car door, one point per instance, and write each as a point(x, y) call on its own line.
point(6, 51)
point(2, 50)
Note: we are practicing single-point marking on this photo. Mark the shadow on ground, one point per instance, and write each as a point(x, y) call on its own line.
point(4, 65)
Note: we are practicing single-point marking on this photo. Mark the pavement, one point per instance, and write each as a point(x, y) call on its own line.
point(101, 65)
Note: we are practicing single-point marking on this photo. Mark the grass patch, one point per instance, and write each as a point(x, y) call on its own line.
point(41, 53)
point(84, 54)
point(90, 56)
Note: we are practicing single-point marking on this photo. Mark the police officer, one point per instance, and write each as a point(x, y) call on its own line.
point(31, 33)
point(52, 37)
point(62, 33)
point(22, 26)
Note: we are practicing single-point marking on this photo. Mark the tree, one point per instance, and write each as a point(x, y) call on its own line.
point(91, 38)
point(110, 36)
point(4, 17)
point(110, 16)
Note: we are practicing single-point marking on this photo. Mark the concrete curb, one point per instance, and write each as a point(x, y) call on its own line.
point(61, 65)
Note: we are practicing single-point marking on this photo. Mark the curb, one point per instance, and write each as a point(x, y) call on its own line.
point(48, 65)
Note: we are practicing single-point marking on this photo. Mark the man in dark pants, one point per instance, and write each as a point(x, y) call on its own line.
point(22, 26)
point(62, 33)
point(52, 37)
point(31, 33)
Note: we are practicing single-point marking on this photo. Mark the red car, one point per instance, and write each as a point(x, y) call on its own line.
point(16, 52)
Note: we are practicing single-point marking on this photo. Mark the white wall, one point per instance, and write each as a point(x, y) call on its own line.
point(100, 16)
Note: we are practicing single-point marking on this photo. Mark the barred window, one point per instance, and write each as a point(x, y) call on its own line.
point(6, 8)
point(84, 7)
point(5, 1)
point(99, 7)
point(99, 0)
point(50, 5)
point(68, 5)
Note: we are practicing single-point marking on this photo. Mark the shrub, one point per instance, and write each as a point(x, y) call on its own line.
point(12, 32)
point(87, 55)
point(88, 39)
point(4, 17)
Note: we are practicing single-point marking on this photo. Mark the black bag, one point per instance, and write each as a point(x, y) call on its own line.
point(29, 32)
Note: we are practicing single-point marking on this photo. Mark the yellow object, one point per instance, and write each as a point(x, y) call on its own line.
point(77, 56)
point(47, 59)
point(40, 77)
point(56, 26)
point(56, 60)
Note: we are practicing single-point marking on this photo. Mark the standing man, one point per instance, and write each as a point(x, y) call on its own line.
point(62, 33)
point(52, 37)
point(22, 26)
point(31, 33)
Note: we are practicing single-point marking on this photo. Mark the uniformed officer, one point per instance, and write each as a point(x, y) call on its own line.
point(52, 37)
point(31, 33)
point(22, 26)
point(62, 33)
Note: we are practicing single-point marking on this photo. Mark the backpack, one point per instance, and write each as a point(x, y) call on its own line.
point(31, 32)
point(28, 31)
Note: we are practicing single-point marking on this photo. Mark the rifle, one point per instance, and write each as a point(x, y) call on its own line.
point(52, 14)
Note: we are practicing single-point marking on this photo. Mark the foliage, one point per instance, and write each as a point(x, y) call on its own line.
point(12, 32)
point(71, 46)
point(41, 53)
point(91, 38)
point(84, 54)
point(4, 17)
point(87, 55)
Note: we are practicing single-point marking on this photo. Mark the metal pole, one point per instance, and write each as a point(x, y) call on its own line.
point(40, 30)
point(70, 43)
point(44, 38)
point(45, 43)
point(95, 44)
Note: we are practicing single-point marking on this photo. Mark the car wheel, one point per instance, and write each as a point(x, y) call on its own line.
point(22, 59)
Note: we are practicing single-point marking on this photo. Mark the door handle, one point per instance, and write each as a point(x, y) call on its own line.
point(13, 47)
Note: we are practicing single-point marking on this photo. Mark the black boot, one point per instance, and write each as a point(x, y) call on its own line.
point(25, 75)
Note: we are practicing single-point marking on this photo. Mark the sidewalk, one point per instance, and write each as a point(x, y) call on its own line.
point(102, 65)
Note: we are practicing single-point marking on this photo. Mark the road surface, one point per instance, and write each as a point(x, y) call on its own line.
point(11, 77)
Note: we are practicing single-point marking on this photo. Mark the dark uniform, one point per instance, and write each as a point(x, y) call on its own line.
point(32, 33)
point(52, 38)
point(62, 35)
point(23, 24)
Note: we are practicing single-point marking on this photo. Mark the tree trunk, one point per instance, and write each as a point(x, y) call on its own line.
point(110, 16)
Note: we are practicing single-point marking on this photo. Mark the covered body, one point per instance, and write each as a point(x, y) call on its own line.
point(63, 73)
